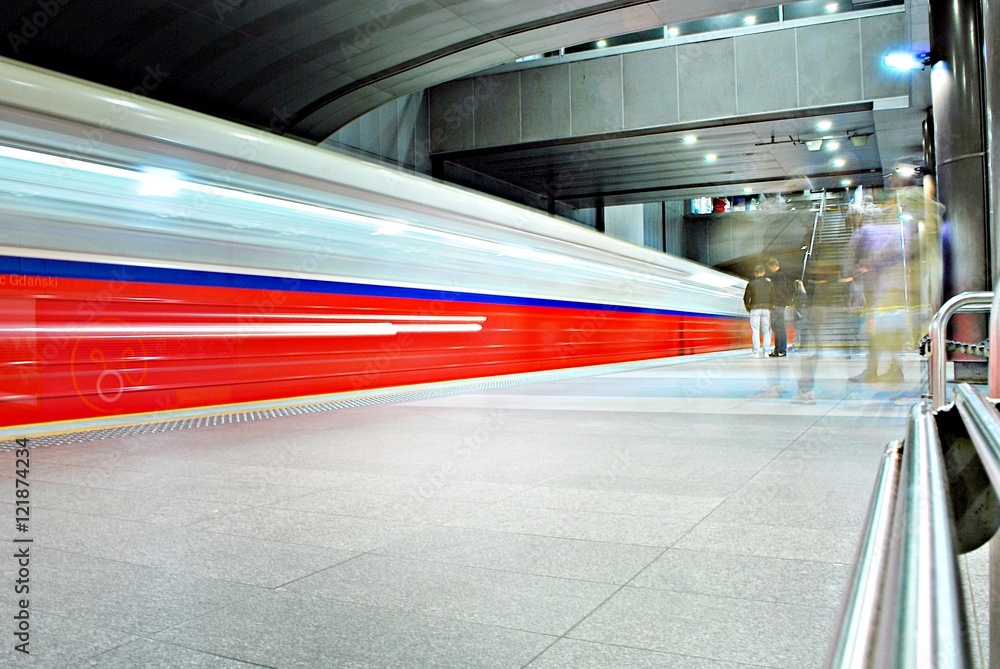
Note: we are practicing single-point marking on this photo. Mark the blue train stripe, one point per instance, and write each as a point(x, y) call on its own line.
point(75, 269)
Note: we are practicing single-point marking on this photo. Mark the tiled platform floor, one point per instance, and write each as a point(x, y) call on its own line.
point(666, 517)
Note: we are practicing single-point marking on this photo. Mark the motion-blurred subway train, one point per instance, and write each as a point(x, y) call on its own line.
point(154, 259)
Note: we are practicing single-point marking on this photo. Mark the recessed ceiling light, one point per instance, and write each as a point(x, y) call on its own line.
point(823, 126)
point(711, 158)
point(601, 43)
point(748, 190)
point(846, 182)
point(831, 8)
point(750, 20)
point(839, 162)
point(690, 139)
point(673, 31)
point(831, 145)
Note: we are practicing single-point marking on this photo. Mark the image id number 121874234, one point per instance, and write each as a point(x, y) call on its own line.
point(22, 548)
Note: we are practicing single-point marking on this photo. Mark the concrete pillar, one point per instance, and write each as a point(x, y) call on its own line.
point(959, 136)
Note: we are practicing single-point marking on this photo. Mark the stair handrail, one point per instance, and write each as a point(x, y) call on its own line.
point(812, 239)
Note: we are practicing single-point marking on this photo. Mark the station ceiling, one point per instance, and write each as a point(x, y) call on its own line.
point(304, 68)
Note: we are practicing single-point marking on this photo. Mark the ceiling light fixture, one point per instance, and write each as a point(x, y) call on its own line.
point(846, 182)
point(711, 158)
point(814, 144)
point(601, 43)
point(831, 144)
point(859, 141)
point(823, 126)
point(673, 31)
point(839, 162)
point(831, 8)
point(750, 20)
point(900, 60)
point(690, 139)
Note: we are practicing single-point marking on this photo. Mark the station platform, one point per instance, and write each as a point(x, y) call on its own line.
point(680, 513)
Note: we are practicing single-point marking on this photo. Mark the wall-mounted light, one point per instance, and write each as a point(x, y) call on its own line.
point(901, 60)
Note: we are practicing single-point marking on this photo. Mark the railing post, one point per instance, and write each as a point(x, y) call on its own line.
point(937, 377)
point(994, 393)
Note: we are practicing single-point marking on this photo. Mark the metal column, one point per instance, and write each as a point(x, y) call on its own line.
point(959, 132)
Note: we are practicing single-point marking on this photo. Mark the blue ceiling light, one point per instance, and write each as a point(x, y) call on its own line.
point(901, 60)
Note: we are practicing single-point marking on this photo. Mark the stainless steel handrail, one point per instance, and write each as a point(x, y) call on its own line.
point(973, 302)
point(924, 623)
point(904, 606)
point(994, 363)
point(855, 637)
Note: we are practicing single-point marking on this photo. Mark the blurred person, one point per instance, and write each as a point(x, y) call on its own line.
point(884, 249)
point(815, 297)
point(758, 298)
point(782, 297)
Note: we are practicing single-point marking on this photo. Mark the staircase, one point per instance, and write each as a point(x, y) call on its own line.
point(834, 324)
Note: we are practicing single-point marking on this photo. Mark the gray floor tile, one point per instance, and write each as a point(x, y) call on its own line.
point(105, 594)
point(585, 525)
point(196, 552)
point(438, 485)
point(588, 655)
point(729, 630)
point(149, 653)
point(409, 509)
point(675, 507)
point(306, 528)
point(799, 582)
point(773, 541)
point(505, 599)
point(55, 642)
point(785, 503)
point(136, 506)
point(545, 556)
point(289, 632)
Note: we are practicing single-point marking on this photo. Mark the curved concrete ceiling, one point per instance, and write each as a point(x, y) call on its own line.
point(306, 67)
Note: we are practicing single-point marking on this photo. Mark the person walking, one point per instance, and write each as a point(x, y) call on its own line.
point(783, 295)
point(758, 299)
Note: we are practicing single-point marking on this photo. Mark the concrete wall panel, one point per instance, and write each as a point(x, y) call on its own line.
point(452, 116)
point(707, 73)
point(498, 109)
point(596, 95)
point(650, 87)
point(766, 77)
point(545, 103)
point(824, 79)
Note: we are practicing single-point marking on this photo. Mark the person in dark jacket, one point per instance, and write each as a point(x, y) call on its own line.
point(758, 299)
point(783, 296)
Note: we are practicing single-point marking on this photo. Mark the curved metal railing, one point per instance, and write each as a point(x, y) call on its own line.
point(904, 606)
